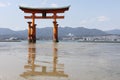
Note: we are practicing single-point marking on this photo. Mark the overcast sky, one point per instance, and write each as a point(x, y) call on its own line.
point(99, 14)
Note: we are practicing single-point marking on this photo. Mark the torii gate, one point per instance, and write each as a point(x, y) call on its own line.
point(44, 12)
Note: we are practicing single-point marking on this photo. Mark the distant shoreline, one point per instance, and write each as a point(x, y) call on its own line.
point(101, 41)
point(10, 41)
point(72, 41)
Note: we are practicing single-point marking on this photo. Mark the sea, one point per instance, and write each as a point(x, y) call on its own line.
point(70, 60)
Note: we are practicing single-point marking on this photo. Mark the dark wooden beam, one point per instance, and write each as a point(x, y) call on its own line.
point(47, 17)
point(42, 10)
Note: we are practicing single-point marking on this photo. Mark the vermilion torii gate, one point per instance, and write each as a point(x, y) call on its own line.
point(44, 12)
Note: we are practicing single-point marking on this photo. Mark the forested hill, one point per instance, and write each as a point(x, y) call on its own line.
point(47, 32)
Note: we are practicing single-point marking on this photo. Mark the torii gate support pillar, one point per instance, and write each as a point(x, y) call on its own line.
point(31, 33)
point(55, 31)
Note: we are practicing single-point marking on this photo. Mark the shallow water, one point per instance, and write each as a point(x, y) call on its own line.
point(59, 61)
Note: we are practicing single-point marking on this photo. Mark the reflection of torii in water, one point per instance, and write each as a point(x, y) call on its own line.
point(32, 66)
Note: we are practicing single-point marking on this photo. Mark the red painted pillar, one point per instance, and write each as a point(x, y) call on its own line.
point(34, 33)
point(31, 33)
point(55, 31)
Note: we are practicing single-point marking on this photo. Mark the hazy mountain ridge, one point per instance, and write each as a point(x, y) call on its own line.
point(80, 31)
point(114, 31)
point(47, 32)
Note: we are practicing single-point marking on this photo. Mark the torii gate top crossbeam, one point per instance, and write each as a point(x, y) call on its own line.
point(44, 10)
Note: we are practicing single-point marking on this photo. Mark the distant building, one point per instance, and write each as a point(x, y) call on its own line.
point(101, 38)
point(93, 38)
point(12, 38)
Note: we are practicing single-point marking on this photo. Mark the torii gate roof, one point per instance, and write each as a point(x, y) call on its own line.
point(44, 10)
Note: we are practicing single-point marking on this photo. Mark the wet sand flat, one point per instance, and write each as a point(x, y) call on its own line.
point(59, 61)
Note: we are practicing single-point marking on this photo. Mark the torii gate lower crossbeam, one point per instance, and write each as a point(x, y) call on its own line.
point(44, 12)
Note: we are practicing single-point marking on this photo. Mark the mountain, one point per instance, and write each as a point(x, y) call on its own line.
point(6, 31)
point(80, 31)
point(46, 33)
point(65, 31)
point(115, 31)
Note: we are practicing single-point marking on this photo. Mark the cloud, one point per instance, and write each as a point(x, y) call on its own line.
point(102, 18)
point(94, 21)
point(54, 5)
point(86, 22)
point(4, 4)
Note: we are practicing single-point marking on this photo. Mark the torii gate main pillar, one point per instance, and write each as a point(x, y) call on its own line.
point(31, 32)
point(55, 31)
